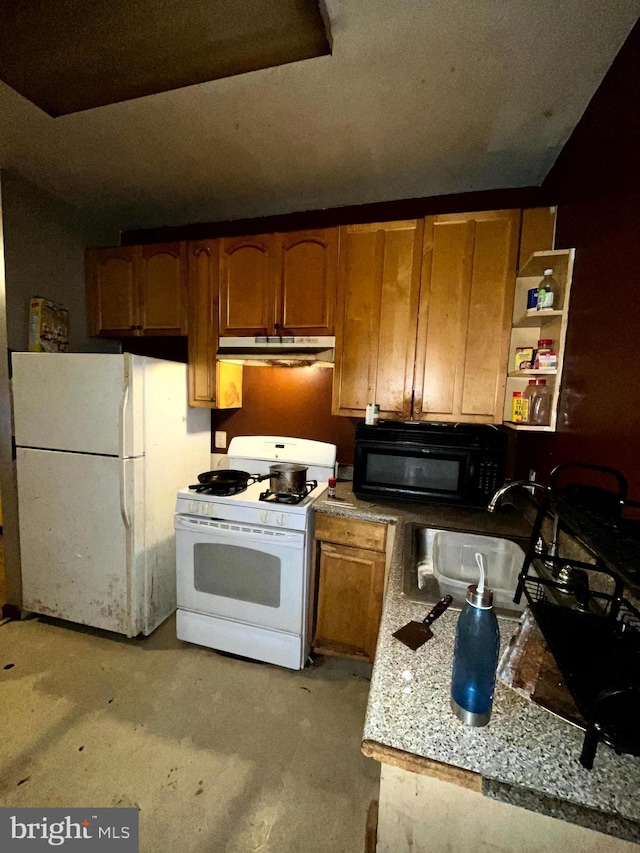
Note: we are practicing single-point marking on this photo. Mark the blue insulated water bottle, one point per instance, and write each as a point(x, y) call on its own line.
point(475, 656)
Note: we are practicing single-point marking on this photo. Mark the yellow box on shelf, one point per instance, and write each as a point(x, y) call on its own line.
point(48, 326)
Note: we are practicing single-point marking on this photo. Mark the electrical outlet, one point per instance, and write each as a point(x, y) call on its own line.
point(220, 438)
point(532, 475)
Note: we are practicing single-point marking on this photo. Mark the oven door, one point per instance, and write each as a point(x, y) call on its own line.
point(414, 472)
point(250, 574)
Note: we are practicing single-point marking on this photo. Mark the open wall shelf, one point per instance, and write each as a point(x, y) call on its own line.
point(529, 326)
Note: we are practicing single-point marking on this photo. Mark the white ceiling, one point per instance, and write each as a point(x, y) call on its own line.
point(419, 98)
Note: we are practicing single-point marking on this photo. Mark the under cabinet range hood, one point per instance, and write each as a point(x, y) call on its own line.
point(276, 350)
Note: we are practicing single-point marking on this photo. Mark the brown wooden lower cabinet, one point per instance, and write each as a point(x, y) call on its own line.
point(350, 586)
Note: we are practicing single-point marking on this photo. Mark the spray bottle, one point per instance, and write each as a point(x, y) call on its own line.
point(475, 655)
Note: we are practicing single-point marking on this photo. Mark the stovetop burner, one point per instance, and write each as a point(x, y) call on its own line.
point(289, 497)
point(222, 491)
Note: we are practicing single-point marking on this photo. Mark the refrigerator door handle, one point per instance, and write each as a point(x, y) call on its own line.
point(124, 406)
point(124, 509)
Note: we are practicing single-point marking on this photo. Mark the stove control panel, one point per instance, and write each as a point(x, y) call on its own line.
point(200, 508)
point(272, 517)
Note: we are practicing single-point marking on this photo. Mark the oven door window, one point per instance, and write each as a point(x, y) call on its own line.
point(242, 574)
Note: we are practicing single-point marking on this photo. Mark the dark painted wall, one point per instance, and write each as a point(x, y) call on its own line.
point(597, 182)
point(599, 420)
point(293, 401)
point(384, 211)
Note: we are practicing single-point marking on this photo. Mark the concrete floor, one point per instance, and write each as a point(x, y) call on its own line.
point(219, 754)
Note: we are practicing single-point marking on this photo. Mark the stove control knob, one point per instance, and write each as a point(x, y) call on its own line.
point(283, 519)
point(264, 517)
point(194, 507)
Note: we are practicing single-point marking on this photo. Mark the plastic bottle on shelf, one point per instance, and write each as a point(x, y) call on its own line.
point(547, 291)
point(372, 414)
point(517, 407)
point(529, 393)
point(545, 358)
point(475, 655)
point(540, 404)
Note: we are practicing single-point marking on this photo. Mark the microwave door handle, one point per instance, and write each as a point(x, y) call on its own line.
point(471, 474)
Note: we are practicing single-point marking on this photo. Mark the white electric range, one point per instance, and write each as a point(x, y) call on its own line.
point(243, 560)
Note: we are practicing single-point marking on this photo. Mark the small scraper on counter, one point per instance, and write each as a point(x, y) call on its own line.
point(415, 634)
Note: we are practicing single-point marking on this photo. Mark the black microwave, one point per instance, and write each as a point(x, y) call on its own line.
point(458, 464)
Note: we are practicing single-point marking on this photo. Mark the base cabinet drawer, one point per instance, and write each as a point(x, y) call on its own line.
point(349, 531)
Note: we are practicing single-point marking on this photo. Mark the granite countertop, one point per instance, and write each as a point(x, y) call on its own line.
point(507, 522)
point(525, 756)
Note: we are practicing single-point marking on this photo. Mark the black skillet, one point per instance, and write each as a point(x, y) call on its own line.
point(225, 480)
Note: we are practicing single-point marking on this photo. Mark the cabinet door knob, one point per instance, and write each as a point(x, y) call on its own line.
point(416, 410)
point(132, 327)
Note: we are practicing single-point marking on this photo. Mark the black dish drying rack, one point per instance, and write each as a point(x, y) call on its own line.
point(593, 635)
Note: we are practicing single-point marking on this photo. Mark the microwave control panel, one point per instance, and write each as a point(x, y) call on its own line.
point(489, 476)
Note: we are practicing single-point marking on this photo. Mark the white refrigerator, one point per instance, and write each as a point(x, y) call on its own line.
point(103, 443)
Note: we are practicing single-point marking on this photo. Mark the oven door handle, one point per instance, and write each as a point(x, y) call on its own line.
point(220, 529)
point(185, 522)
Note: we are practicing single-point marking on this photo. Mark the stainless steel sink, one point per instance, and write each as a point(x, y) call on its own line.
point(440, 562)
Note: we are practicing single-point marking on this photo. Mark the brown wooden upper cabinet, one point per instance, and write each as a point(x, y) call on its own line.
point(212, 384)
point(202, 267)
point(137, 290)
point(378, 287)
point(466, 299)
point(537, 232)
point(424, 316)
point(278, 283)
point(247, 285)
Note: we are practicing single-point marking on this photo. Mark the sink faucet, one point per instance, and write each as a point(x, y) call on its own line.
point(495, 501)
